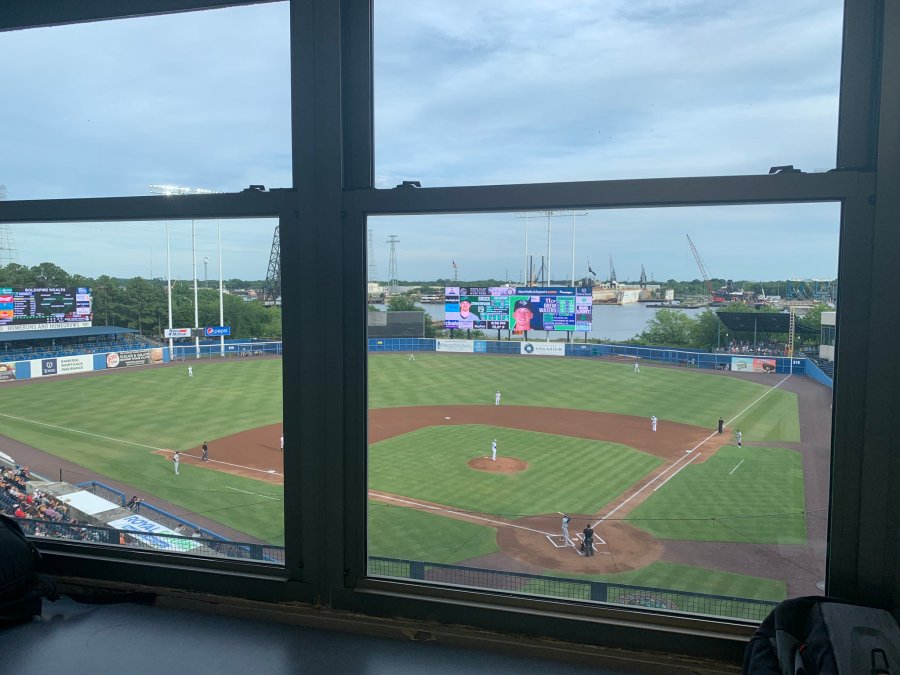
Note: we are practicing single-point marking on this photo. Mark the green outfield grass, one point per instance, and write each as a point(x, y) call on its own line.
point(564, 473)
point(749, 494)
point(678, 394)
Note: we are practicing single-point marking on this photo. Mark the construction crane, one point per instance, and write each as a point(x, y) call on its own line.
point(612, 272)
point(709, 288)
point(643, 278)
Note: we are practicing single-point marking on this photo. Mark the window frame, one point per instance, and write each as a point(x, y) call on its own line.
point(322, 219)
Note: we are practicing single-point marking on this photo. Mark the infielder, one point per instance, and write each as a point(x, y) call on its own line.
point(565, 530)
point(637, 367)
point(190, 371)
point(653, 422)
point(497, 398)
point(175, 459)
point(205, 457)
point(494, 450)
point(282, 442)
point(739, 436)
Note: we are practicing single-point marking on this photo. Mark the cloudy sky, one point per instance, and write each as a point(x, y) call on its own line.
point(467, 92)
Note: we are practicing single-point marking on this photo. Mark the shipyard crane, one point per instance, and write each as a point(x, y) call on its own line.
point(643, 281)
point(709, 288)
point(612, 272)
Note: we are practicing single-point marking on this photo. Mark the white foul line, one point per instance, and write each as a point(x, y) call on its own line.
point(693, 457)
point(246, 492)
point(736, 467)
point(672, 466)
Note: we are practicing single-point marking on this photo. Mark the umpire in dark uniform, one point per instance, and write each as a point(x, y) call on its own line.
point(588, 544)
point(721, 425)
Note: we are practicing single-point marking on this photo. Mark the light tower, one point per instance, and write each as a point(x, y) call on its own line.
point(8, 252)
point(392, 263)
point(373, 269)
point(272, 288)
point(175, 190)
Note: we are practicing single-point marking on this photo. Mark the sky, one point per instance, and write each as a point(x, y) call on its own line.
point(466, 93)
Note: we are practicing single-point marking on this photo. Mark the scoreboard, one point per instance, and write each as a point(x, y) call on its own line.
point(43, 308)
point(518, 309)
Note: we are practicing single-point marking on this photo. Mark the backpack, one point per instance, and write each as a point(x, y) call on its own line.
point(21, 590)
point(815, 635)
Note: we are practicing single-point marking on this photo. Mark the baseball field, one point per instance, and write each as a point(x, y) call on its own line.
point(681, 508)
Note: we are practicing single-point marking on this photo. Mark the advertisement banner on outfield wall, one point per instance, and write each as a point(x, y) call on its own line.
point(467, 346)
point(7, 372)
point(137, 357)
point(747, 364)
point(62, 365)
point(543, 348)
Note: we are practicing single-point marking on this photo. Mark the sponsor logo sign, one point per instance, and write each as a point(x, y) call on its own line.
point(137, 357)
point(213, 331)
point(454, 346)
point(481, 346)
point(7, 372)
point(146, 530)
point(747, 364)
point(543, 348)
point(177, 332)
point(63, 365)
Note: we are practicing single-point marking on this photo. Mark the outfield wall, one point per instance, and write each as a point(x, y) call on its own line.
point(82, 363)
point(686, 357)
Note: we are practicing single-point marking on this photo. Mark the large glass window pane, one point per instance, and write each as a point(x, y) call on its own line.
point(641, 332)
point(105, 376)
point(106, 108)
point(471, 93)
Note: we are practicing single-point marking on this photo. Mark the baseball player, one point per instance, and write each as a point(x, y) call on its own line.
point(497, 398)
point(190, 371)
point(637, 367)
point(175, 459)
point(282, 442)
point(494, 450)
point(412, 357)
point(653, 422)
point(739, 436)
point(565, 530)
point(205, 457)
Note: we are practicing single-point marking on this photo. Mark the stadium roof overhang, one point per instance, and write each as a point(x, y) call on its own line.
point(762, 322)
point(48, 334)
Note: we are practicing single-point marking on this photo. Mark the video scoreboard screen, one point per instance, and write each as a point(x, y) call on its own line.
point(42, 308)
point(518, 309)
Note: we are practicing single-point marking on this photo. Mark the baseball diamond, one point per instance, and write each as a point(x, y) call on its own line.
point(683, 495)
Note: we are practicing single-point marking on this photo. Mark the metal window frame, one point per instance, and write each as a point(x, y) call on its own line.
point(323, 216)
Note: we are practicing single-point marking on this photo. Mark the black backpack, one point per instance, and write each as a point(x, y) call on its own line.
point(21, 589)
point(823, 636)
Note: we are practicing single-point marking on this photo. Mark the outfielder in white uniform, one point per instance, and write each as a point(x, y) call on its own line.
point(494, 450)
point(190, 371)
point(175, 459)
point(739, 437)
point(637, 367)
point(565, 530)
point(653, 421)
point(497, 398)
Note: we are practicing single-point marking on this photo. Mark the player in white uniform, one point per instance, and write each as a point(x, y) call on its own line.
point(176, 458)
point(412, 357)
point(497, 398)
point(494, 450)
point(190, 371)
point(739, 436)
point(653, 422)
point(282, 442)
point(637, 367)
point(565, 530)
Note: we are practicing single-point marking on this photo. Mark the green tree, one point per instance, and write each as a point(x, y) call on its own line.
point(706, 331)
point(400, 303)
point(50, 274)
point(668, 327)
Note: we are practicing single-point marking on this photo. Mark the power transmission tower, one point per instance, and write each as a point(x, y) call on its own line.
point(373, 269)
point(392, 263)
point(272, 288)
point(8, 253)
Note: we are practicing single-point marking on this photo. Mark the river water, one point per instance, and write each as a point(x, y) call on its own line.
point(610, 322)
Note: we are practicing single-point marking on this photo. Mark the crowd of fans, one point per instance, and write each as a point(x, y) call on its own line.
point(763, 348)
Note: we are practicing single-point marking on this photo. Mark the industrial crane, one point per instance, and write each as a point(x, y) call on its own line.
point(709, 288)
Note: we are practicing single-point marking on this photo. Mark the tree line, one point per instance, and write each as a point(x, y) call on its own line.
point(142, 304)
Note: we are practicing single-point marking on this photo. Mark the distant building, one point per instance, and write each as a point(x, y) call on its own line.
point(826, 342)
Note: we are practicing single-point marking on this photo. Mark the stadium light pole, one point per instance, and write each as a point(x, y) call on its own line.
point(196, 307)
point(221, 291)
point(169, 290)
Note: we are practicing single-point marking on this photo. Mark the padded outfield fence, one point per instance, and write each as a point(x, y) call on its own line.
point(572, 589)
point(233, 349)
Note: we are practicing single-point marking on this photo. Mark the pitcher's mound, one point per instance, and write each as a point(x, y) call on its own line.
point(502, 465)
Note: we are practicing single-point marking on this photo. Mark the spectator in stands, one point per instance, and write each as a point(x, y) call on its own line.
point(133, 503)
